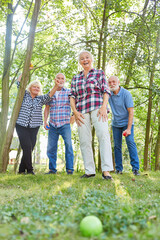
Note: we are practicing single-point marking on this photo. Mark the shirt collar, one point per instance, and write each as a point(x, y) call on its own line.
point(63, 89)
point(82, 72)
point(31, 96)
point(118, 92)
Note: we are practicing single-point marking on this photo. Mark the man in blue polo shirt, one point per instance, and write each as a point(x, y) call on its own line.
point(122, 123)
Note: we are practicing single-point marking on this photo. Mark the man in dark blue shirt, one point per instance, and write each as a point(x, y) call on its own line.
point(122, 123)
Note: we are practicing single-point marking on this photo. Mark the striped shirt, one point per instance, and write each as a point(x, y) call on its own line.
point(88, 92)
point(60, 109)
point(30, 114)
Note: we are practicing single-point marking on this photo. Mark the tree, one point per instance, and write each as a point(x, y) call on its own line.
point(136, 45)
point(6, 73)
point(120, 34)
point(148, 122)
point(7, 137)
point(157, 147)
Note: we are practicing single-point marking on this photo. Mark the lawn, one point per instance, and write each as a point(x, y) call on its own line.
point(52, 206)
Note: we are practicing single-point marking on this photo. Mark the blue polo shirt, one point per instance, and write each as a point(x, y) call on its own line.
point(119, 104)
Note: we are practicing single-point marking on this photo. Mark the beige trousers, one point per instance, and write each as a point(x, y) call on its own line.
point(85, 137)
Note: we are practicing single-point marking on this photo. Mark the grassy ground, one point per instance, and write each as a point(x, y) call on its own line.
point(52, 206)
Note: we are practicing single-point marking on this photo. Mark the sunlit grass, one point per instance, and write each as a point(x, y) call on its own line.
point(121, 192)
point(52, 206)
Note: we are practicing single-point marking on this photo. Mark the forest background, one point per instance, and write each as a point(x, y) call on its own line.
point(123, 37)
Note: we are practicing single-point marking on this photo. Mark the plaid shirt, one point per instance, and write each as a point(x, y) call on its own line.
point(30, 114)
point(88, 92)
point(60, 109)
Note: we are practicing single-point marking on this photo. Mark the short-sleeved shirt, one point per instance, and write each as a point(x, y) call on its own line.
point(30, 114)
point(88, 92)
point(119, 104)
point(60, 109)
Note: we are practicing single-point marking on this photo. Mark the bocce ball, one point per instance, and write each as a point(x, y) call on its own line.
point(91, 226)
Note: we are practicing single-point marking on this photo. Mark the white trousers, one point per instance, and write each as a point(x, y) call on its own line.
point(85, 137)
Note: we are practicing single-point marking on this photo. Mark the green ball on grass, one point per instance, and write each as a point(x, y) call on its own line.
point(91, 226)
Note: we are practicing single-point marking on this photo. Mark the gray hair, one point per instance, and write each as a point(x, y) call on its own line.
point(115, 77)
point(62, 74)
point(35, 82)
point(85, 51)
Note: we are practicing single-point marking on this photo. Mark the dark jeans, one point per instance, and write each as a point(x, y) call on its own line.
point(27, 137)
point(117, 135)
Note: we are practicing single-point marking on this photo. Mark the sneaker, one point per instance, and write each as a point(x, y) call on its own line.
point(88, 176)
point(136, 173)
point(118, 172)
point(106, 177)
point(50, 172)
point(69, 173)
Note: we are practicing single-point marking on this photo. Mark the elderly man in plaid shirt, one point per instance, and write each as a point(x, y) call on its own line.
point(59, 124)
point(89, 97)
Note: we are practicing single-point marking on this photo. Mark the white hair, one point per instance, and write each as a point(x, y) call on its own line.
point(85, 51)
point(115, 77)
point(35, 82)
point(62, 74)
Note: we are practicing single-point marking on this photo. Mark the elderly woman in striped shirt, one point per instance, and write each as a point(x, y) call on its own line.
point(88, 98)
point(29, 121)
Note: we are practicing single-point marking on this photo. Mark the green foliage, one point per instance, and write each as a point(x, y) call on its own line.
point(47, 207)
point(66, 27)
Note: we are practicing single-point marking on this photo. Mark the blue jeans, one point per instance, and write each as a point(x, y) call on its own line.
point(53, 136)
point(117, 136)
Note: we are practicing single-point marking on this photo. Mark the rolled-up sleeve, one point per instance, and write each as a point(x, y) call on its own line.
point(104, 84)
point(73, 88)
point(45, 98)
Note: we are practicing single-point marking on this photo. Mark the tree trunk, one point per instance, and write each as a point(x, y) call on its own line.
point(17, 158)
point(134, 50)
point(105, 46)
point(25, 75)
point(38, 149)
point(99, 160)
point(112, 146)
point(93, 145)
point(151, 161)
point(157, 148)
point(5, 77)
point(148, 122)
point(103, 34)
point(105, 37)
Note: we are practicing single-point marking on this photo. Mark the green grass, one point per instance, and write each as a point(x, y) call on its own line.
point(52, 206)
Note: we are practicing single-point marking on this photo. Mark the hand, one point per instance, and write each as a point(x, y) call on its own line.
point(79, 118)
point(59, 83)
point(46, 126)
point(102, 113)
point(127, 132)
